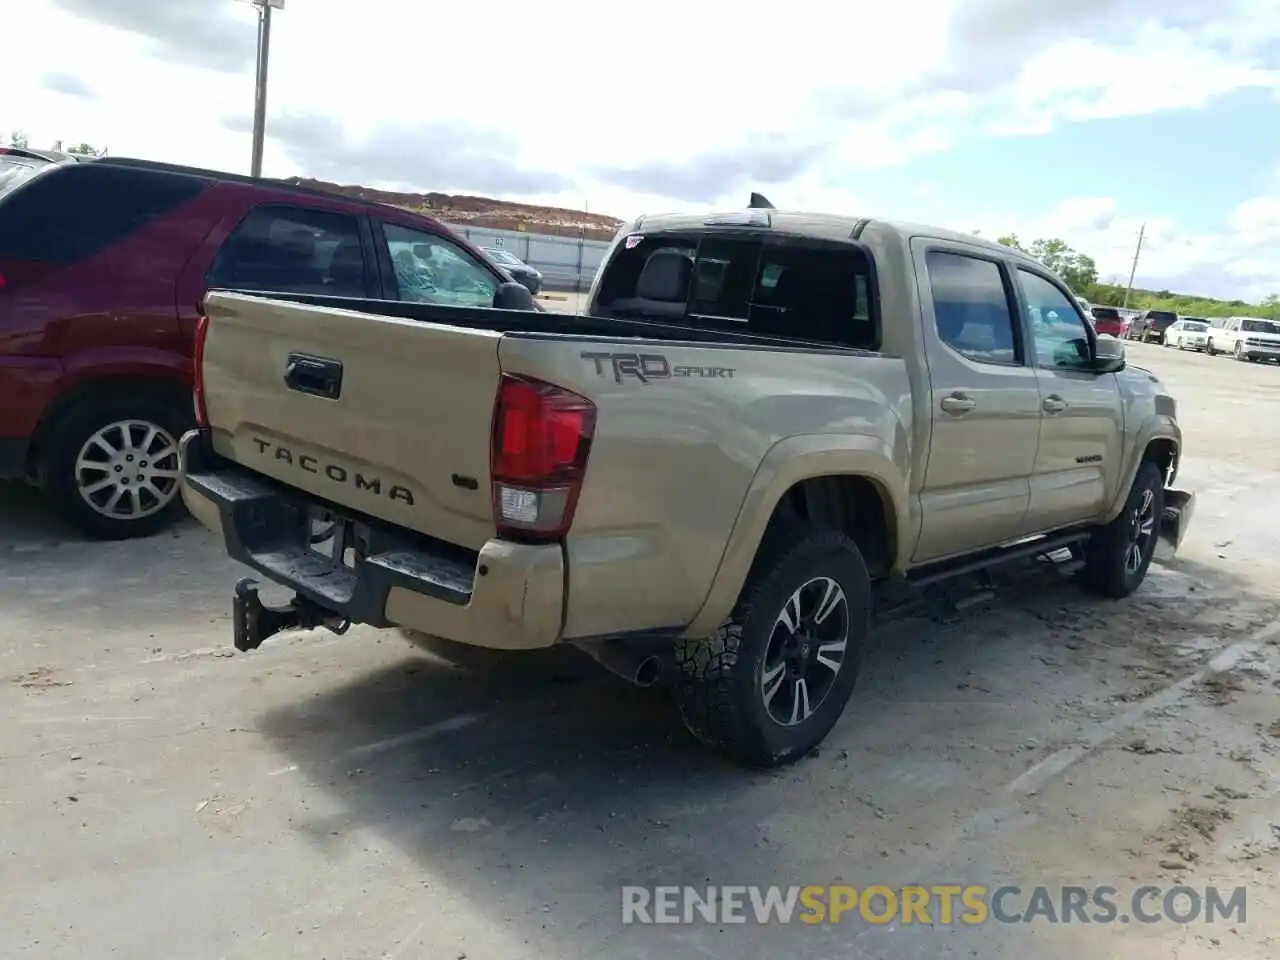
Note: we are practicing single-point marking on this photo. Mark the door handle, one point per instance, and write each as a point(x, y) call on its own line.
point(1054, 404)
point(957, 404)
point(317, 376)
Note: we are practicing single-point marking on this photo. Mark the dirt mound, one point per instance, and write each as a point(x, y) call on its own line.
point(483, 212)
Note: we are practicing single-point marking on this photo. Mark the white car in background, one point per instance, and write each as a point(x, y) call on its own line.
point(1188, 333)
point(1245, 338)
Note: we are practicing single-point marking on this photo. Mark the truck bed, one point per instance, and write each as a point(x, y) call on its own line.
point(703, 330)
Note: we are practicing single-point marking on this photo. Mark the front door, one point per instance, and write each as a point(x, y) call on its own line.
point(1082, 428)
point(984, 403)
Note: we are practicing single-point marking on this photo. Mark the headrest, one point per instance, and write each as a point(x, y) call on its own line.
point(665, 277)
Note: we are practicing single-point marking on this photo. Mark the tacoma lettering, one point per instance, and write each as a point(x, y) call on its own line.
point(333, 471)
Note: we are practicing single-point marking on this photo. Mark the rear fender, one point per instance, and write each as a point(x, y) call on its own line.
point(787, 463)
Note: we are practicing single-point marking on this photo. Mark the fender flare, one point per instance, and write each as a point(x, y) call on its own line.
point(1157, 426)
point(787, 463)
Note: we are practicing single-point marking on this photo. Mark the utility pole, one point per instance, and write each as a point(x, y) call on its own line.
point(260, 92)
point(1134, 269)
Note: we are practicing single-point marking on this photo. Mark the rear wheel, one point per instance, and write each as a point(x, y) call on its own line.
point(1118, 555)
point(111, 467)
point(775, 678)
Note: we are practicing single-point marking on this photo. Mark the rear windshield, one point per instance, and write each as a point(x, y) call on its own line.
point(1195, 326)
point(1260, 326)
point(1106, 313)
point(777, 286)
point(14, 173)
point(1160, 318)
point(79, 209)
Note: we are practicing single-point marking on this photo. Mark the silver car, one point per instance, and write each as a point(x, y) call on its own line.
point(1188, 333)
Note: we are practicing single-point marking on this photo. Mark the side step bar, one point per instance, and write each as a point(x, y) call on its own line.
point(946, 569)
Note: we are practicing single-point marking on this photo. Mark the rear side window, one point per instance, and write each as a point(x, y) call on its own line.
point(80, 209)
point(288, 249)
point(971, 307)
point(785, 287)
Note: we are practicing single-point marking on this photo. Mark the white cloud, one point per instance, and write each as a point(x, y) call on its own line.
point(636, 107)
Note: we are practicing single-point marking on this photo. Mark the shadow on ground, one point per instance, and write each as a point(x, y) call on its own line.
point(536, 788)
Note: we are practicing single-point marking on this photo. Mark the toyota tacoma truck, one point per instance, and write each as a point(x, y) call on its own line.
point(759, 418)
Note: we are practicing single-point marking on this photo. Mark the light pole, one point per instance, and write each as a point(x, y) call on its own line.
point(260, 92)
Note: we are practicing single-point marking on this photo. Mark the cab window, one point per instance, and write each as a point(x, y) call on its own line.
point(1059, 335)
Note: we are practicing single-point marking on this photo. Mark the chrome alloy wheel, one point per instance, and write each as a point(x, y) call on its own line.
point(806, 651)
point(1142, 527)
point(128, 470)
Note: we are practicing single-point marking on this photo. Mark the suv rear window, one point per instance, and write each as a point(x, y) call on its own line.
point(780, 286)
point(80, 209)
point(1160, 318)
point(1106, 313)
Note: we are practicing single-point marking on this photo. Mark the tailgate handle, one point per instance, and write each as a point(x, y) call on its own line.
point(314, 375)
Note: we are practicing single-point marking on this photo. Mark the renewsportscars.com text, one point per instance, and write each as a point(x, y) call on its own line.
point(938, 904)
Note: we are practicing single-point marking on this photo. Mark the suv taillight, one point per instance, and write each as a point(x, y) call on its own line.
point(197, 373)
point(16, 272)
point(540, 442)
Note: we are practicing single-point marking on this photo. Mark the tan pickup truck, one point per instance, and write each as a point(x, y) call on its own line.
point(761, 415)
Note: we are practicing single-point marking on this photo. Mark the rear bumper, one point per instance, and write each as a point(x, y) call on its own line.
point(1179, 506)
point(506, 596)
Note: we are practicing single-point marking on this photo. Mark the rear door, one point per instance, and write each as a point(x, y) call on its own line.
point(984, 402)
point(1082, 427)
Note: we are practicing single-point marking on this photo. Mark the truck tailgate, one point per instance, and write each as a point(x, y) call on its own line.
point(386, 416)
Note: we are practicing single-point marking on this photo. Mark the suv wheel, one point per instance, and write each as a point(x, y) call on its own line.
point(773, 681)
point(1238, 351)
point(112, 468)
point(1210, 349)
point(1118, 555)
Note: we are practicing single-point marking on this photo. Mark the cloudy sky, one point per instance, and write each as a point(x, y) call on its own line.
point(1079, 119)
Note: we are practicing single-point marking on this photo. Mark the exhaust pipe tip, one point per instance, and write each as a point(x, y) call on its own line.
point(648, 672)
point(633, 664)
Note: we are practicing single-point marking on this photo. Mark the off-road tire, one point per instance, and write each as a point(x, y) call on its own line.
point(718, 680)
point(1105, 572)
point(61, 444)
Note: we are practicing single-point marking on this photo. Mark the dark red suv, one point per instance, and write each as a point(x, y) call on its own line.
point(103, 267)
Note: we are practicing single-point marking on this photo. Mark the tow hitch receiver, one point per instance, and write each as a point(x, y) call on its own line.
point(255, 622)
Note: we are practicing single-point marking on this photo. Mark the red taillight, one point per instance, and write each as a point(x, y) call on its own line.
point(16, 272)
point(541, 438)
point(197, 373)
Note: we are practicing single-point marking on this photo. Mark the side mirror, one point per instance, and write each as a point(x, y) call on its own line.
point(514, 296)
point(1108, 355)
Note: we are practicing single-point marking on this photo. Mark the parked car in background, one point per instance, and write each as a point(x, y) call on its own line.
point(104, 265)
point(1189, 333)
point(1108, 320)
point(520, 271)
point(1245, 338)
point(1151, 325)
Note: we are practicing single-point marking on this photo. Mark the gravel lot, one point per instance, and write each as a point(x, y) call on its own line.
point(356, 797)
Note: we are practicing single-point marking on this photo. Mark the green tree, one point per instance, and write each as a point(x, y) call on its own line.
point(1011, 241)
point(1271, 304)
point(1079, 270)
point(18, 139)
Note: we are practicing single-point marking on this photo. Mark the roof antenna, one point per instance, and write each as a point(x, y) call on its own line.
point(758, 202)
